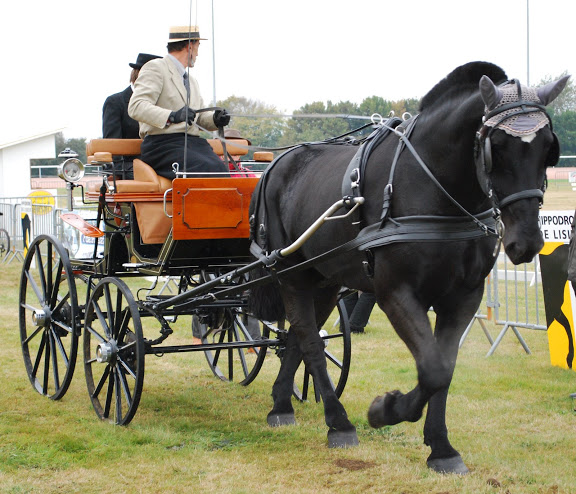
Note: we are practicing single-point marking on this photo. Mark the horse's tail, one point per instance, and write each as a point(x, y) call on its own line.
point(265, 301)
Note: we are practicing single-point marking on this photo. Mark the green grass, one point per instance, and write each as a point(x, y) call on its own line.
point(509, 415)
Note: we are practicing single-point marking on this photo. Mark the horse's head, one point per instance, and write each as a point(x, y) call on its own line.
point(514, 146)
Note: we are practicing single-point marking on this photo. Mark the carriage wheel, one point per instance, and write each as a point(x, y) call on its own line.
point(235, 364)
point(4, 242)
point(48, 317)
point(338, 350)
point(113, 352)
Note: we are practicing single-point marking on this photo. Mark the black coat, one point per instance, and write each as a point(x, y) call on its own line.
point(116, 123)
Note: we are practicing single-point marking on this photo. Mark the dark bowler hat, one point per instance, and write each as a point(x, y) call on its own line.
point(142, 59)
point(234, 134)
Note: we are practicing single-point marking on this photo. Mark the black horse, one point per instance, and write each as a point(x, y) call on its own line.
point(433, 188)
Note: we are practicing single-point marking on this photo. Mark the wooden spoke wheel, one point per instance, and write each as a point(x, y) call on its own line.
point(113, 352)
point(338, 350)
point(48, 317)
point(228, 359)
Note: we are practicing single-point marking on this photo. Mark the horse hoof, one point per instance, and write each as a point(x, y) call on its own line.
point(342, 439)
point(379, 413)
point(278, 419)
point(448, 465)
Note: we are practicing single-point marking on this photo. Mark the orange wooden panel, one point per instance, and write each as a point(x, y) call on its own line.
point(211, 208)
point(81, 224)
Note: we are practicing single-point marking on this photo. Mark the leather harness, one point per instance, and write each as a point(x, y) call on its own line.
point(418, 228)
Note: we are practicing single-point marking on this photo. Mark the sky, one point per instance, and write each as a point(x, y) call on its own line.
point(61, 59)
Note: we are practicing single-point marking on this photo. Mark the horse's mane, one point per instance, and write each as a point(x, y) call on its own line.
point(463, 76)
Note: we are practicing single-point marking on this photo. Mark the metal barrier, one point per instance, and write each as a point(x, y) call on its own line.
point(513, 300)
point(24, 218)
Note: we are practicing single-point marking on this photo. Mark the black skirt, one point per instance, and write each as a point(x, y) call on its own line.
point(162, 151)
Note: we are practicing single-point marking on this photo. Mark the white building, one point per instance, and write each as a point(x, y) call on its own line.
point(15, 156)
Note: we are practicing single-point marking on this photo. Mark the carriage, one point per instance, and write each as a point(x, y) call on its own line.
point(191, 234)
point(421, 208)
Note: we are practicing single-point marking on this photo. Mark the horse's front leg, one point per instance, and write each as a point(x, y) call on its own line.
point(300, 311)
point(451, 322)
point(410, 321)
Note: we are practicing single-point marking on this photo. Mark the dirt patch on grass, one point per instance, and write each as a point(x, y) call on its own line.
point(353, 465)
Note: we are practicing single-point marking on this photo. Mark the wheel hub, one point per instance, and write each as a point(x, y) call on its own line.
point(40, 317)
point(107, 351)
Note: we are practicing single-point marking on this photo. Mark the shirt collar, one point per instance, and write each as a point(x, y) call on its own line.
point(179, 67)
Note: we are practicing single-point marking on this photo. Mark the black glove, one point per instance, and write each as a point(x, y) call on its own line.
point(180, 115)
point(221, 118)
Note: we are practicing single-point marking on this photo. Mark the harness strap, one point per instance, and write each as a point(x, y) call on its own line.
point(524, 194)
point(352, 183)
point(389, 189)
point(402, 229)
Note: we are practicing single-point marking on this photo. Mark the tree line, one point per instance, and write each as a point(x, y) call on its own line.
point(266, 126)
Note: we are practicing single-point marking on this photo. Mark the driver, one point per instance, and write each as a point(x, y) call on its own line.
point(165, 101)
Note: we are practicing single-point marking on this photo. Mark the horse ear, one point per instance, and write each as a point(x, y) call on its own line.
point(550, 91)
point(491, 95)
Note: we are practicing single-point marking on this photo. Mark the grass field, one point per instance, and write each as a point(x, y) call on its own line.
point(509, 415)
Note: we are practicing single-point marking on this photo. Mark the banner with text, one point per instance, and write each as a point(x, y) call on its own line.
point(559, 297)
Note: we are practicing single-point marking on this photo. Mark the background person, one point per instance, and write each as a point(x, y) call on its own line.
point(116, 123)
point(165, 101)
point(359, 306)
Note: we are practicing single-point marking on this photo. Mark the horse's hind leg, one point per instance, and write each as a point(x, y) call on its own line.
point(282, 412)
point(305, 343)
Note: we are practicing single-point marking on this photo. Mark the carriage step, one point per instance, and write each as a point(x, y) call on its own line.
point(135, 265)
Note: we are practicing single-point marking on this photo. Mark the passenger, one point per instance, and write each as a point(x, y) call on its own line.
point(237, 169)
point(116, 123)
point(165, 101)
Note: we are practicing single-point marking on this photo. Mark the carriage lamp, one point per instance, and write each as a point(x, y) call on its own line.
point(72, 169)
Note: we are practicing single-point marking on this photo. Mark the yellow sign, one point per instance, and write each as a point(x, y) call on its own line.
point(559, 298)
point(42, 202)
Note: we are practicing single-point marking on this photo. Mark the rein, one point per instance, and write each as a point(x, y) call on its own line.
point(281, 148)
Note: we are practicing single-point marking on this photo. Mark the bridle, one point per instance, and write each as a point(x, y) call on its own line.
point(483, 149)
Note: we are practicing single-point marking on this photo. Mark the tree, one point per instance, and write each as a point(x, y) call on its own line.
point(565, 128)
point(333, 120)
point(247, 118)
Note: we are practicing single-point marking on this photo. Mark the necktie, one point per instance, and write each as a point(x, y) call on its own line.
point(186, 83)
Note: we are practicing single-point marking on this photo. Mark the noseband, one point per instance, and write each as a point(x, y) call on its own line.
point(483, 149)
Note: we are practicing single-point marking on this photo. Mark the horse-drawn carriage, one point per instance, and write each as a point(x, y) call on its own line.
point(422, 206)
point(192, 232)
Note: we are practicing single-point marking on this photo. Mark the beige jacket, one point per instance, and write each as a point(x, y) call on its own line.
point(160, 90)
